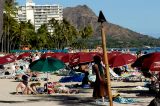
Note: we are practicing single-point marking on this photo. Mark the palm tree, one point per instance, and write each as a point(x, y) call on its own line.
point(70, 32)
point(42, 36)
point(10, 12)
point(63, 33)
point(1, 20)
point(83, 38)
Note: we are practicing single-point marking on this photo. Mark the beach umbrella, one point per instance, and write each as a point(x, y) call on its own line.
point(148, 62)
point(122, 59)
point(113, 54)
point(45, 55)
point(95, 53)
point(46, 65)
point(7, 59)
point(66, 58)
point(80, 57)
point(23, 55)
point(61, 56)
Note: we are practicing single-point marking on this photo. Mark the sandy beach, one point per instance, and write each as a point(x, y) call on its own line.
point(126, 89)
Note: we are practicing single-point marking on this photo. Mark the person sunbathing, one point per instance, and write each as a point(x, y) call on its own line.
point(55, 87)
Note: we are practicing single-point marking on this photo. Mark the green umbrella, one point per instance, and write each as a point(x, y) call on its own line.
point(46, 65)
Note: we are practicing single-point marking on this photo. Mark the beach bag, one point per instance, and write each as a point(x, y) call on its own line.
point(40, 90)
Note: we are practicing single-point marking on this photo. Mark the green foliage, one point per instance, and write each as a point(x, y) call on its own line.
point(65, 35)
point(86, 31)
point(59, 34)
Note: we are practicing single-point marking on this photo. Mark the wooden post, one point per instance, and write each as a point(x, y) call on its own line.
point(107, 73)
point(102, 19)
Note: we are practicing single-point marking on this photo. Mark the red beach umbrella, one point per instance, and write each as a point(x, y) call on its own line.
point(121, 60)
point(45, 55)
point(80, 57)
point(66, 58)
point(149, 61)
point(23, 55)
point(61, 56)
point(113, 54)
point(7, 59)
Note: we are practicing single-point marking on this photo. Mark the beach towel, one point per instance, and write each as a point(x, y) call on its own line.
point(74, 78)
point(122, 100)
point(92, 78)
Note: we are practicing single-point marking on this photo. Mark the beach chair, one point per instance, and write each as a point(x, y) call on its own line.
point(7, 76)
point(114, 76)
point(135, 78)
point(41, 77)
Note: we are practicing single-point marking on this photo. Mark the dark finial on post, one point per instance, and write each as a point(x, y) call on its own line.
point(101, 17)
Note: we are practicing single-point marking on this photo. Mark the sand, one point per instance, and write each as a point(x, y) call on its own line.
point(84, 98)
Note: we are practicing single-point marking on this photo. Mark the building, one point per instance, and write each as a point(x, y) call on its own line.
point(39, 14)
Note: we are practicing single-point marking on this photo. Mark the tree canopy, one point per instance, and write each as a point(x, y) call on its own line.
point(52, 35)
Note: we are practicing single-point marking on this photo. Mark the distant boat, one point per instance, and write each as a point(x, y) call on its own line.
point(148, 47)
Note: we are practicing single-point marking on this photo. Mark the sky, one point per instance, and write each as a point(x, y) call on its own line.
point(142, 16)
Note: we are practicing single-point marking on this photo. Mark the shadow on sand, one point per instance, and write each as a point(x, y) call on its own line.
point(63, 99)
point(66, 100)
point(139, 93)
point(123, 86)
point(2, 101)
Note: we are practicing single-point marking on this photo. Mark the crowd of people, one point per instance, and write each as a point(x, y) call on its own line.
point(96, 68)
point(24, 75)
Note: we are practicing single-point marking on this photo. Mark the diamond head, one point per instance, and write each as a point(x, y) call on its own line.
point(117, 36)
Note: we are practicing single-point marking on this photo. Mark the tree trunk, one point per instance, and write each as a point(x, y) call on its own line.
point(2, 44)
point(8, 38)
point(4, 39)
point(1, 18)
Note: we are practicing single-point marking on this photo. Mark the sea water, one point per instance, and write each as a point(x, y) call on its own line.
point(135, 50)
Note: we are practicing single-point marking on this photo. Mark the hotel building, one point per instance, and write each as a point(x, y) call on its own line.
point(39, 14)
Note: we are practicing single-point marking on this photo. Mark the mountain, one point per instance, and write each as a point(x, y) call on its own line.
point(117, 36)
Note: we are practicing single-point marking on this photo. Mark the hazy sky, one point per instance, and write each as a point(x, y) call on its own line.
point(142, 16)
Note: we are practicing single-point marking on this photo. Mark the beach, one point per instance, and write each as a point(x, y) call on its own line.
point(84, 97)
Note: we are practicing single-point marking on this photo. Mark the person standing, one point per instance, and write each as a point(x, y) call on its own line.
point(100, 86)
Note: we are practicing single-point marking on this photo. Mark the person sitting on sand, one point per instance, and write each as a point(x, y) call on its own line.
point(20, 85)
point(33, 87)
point(25, 80)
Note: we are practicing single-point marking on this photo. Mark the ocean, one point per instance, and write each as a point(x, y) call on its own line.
point(135, 50)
